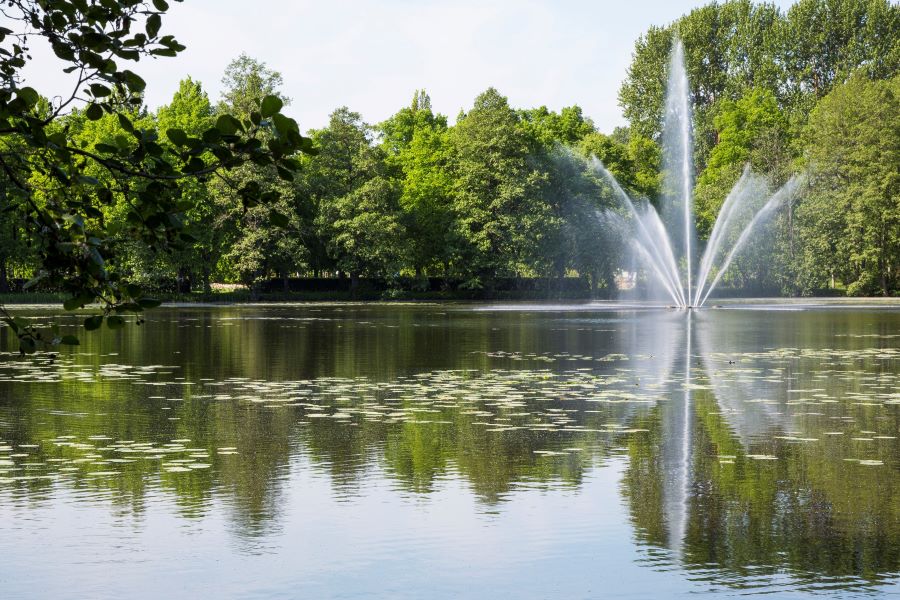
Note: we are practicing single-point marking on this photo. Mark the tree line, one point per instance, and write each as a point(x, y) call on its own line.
point(511, 192)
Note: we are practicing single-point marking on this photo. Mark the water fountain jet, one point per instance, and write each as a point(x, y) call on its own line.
point(747, 205)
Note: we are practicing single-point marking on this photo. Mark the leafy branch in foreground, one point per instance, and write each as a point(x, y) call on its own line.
point(63, 190)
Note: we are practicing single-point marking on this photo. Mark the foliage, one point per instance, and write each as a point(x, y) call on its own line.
point(853, 152)
point(64, 190)
point(738, 45)
point(501, 213)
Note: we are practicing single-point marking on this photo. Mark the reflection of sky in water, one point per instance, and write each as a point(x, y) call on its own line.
point(399, 448)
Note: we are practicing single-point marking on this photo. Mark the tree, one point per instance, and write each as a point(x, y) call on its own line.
point(366, 237)
point(61, 205)
point(501, 217)
point(417, 155)
point(852, 148)
point(736, 46)
point(356, 202)
point(267, 238)
point(191, 111)
point(825, 41)
point(752, 130)
point(567, 127)
point(245, 83)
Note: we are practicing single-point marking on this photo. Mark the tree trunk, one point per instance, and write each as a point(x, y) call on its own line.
point(183, 280)
point(4, 277)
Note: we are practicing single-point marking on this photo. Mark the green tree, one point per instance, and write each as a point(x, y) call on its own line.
point(567, 127)
point(501, 215)
point(736, 46)
point(191, 111)
point(365, 234)
point(752, 130)
point(825, 41)
point(417, 154)
point(266, 238)
point(61, 206)
point(852, 148)
point(356, 203)
point(729, 48)
point(245, 83)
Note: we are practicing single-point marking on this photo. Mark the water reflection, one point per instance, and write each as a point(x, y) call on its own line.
point(758, 450)
point(777, 469)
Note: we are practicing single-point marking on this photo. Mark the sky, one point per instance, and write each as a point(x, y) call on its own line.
point(372, 55)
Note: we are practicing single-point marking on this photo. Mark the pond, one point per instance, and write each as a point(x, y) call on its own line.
point(456, 450)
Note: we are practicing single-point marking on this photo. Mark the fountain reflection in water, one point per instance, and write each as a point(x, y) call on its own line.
point(663, 242)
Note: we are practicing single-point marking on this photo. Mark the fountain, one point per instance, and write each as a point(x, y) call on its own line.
point(663, 242)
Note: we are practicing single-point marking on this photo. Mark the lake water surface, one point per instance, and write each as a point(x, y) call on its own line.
point(456, 450)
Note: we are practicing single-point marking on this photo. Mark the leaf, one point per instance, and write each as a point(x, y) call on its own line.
point(74, 303)
point(135, 82)
point(62, 50)
point(228, 125)
point(283, 124)
point(69, 340)
point(27, 345)
point(154, 22)
point(28, 95)
point(115, 322)
point(92, 323)
point(284, 173)
point(125, 122)
point(99, 90)
point(277, 219)
point(160, 5)
point(94, 112)
point(177, 136)
point(270, 105)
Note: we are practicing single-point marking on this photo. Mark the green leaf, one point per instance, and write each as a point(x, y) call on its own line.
point(27, 345)
point(154, 22)
point(92, 323)
point(63, 51)
point(211, 136)
point(115, 322)
point(283, 124)
point(28, 95)
point(284, 173)
point(228, 125)
point(69, 340)
point(177, 136)
point(135, 82)
point(160, 5)
point(94, 112)
point(74, 303)
point(277, 219)
point(125, 122)
point(270, 105)
point(99, 90)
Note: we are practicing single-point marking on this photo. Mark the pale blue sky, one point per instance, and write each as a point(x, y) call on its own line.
point(372, 54)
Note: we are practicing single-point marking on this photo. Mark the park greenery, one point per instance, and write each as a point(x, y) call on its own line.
point(106, 199)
